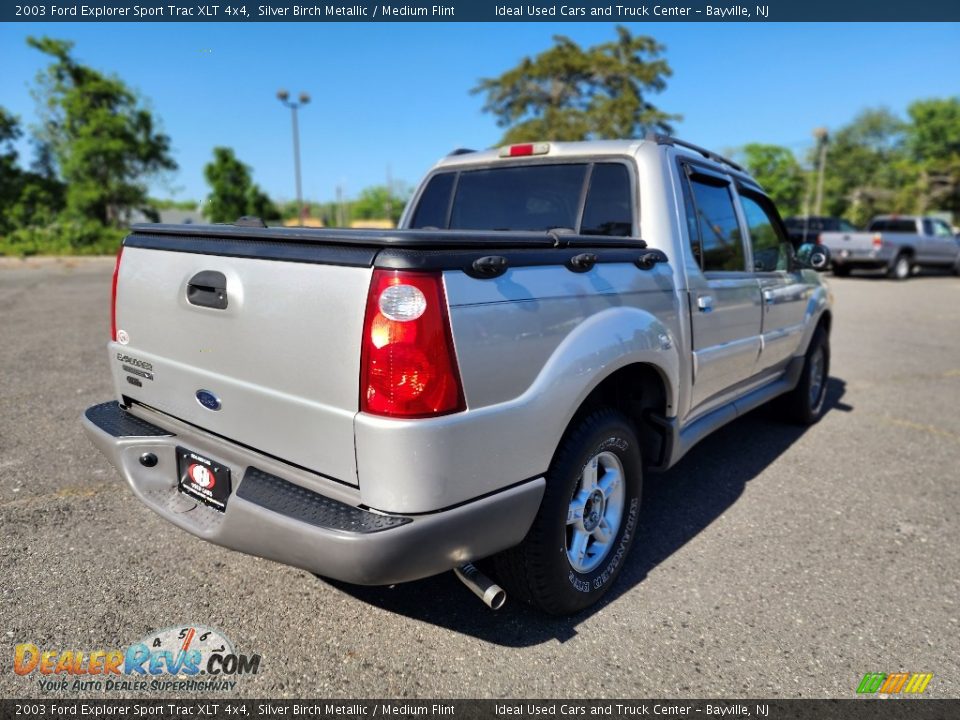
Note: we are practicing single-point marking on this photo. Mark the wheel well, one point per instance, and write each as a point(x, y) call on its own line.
point(908, 251)
point(637, 391)
point(825, 321)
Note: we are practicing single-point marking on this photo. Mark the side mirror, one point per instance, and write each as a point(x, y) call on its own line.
point(817, 257)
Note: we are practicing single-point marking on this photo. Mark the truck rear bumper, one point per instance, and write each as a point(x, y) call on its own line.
point(270, 515)
point(856, 258)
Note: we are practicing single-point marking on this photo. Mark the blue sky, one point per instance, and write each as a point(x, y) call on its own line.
point(398, 94)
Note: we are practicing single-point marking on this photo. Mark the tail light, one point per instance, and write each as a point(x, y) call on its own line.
point(408, 366)
point(819, 239)
point(113, 296)
point(877, 241)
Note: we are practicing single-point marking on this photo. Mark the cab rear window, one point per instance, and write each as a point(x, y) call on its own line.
point(530, 197)
point(895, 226)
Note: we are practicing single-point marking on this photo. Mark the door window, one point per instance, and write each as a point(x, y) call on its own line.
point(771, 249)
point(941, 229)
point(710, 213)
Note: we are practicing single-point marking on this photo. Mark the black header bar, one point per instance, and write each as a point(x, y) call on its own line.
point(625, 11)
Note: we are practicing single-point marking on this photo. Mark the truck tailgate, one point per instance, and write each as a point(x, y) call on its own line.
point(857, 243)
point(282, 359)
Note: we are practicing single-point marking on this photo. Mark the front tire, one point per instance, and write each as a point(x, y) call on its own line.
point(804, 404)
point(587, 520)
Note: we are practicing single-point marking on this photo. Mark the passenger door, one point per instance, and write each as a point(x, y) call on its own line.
point(783, 291)
point(945, 242)
point(724, 296)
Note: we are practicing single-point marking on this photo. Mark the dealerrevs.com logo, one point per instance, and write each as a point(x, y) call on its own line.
point(191, 657)
point(894, 683)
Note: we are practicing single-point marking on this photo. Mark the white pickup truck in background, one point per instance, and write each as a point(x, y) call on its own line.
point(896, 243)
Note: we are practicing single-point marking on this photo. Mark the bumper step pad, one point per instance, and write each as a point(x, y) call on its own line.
point(298, 503)
point(110, 418)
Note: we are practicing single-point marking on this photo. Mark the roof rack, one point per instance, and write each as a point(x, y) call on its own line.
point(709, 154)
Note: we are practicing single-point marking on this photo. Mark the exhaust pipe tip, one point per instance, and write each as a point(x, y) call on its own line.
point(493, 595)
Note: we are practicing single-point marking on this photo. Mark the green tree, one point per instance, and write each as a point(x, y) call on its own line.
point(573, 93)
point(780, 174)
point(378, 202)
point(933, 143)
point(99, 136)
point(233, 192)
point(866, 164)
point(26, 198)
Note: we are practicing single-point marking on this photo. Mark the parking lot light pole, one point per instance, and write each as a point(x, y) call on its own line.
point(822, 139)
point(284, 97)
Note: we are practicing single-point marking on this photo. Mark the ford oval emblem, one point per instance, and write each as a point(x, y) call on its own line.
point(208, 400)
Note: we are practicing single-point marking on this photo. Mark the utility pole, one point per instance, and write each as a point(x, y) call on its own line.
point(388, 205)
point(822, 138)
point(283, 96)
point(340, 213)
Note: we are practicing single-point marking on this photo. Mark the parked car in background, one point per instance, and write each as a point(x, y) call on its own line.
point(807, 228)
point(896, 243)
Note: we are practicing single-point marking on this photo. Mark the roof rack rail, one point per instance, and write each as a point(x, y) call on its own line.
point(709, 154)
point(461, 151)
point(249, 221)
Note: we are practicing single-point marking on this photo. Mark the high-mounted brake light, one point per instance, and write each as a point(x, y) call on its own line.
point(541, 148)
point(408, 365)
point(113, 296)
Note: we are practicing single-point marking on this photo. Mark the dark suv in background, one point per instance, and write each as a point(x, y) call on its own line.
point(806, 228)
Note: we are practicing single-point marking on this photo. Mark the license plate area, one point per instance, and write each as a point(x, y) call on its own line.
point(203, 479)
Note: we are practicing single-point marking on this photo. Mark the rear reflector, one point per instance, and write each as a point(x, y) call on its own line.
point(408, 366)
point(113, 296)
point(525, 149)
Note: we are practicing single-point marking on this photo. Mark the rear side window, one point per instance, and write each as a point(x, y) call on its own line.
point(607, 210)
point(434, 202)
point(771, 250)
point(895, 226)
point(715, 221)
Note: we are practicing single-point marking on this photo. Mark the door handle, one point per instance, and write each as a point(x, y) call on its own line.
point(705, 303)
point(208, 289)
point(768, 297)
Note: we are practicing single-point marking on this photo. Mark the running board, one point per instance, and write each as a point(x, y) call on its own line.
point(678, 442)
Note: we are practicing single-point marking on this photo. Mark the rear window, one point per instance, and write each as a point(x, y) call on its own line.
point(894, 226)
point(530, 197)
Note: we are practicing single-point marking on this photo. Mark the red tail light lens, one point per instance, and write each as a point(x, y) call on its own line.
point(113, 296)
point(877, 241)
point(408, 366)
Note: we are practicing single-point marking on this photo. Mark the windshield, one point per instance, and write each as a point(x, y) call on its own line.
point(530, 197)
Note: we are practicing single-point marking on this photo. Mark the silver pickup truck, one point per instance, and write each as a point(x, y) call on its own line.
point(491, 381)
point(895, 243)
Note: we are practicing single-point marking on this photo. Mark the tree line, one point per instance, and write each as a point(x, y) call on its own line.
point(98, 146)
point(877, 163)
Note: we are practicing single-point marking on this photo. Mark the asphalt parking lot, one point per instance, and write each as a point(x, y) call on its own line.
point(771, 562)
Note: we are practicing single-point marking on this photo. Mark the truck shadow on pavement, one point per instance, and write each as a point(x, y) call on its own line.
point(677, 506)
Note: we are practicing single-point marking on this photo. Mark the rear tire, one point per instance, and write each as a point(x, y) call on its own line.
point(804, 404)
point(587, 520)
point(901, 267)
